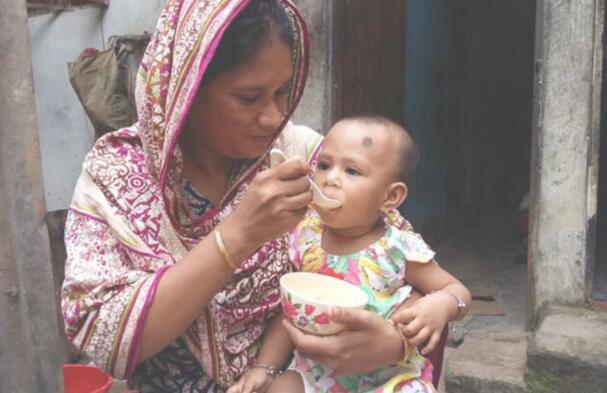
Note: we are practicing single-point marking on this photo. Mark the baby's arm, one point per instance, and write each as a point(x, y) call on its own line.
point(273, 354)
point(447, 300)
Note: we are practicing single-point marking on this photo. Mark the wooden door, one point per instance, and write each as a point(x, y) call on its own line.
point(369, 53)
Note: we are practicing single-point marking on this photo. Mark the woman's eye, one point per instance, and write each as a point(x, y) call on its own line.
point(284, 90)
point(352, 172)
point(281, 92)
point(248, 99)
point(322, 166)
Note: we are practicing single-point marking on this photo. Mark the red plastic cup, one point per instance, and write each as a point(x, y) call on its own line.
point(80, 378)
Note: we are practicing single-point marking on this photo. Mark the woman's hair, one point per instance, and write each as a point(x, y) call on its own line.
point(248, 32)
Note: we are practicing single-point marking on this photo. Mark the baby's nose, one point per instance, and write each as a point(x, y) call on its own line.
point(332, 176)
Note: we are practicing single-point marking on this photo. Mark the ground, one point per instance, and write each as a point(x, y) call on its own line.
point(490, 258)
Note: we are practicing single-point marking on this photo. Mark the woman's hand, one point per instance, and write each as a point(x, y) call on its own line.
point(425, 320)
point(368, 343)
point(255, 380)
point(275, 202)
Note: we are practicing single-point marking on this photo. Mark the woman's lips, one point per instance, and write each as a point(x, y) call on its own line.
point(262, 138)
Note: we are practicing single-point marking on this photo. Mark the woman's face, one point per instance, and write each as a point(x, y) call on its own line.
point(237, 114)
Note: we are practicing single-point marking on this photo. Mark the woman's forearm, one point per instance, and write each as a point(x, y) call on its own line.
point(187, 287)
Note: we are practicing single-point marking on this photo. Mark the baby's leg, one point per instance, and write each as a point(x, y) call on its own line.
point(288, 382)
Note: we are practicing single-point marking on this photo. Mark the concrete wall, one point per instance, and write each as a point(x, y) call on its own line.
point(58, 38)
point(565, 151)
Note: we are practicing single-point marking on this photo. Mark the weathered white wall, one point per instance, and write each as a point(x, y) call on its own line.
point(315, 107)
point(56, 39)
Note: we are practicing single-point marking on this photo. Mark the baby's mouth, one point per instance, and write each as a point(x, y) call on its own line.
point(330, 194)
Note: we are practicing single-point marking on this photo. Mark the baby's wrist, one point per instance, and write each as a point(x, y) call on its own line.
point(458, 304)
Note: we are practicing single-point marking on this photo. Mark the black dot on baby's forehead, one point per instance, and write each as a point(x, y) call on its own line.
point(367, 141)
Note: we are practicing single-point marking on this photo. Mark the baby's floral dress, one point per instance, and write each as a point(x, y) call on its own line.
point(379, 270)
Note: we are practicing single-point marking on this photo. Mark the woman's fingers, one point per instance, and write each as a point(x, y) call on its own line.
point(404, 315)
point(248, 386)
point(297, 202)
point(431, 344)
point(309, 345)
point(293, 187)
point(354, 319)
point(322, 349)
point(411, 328)
point(293, 168)
point(234, 388)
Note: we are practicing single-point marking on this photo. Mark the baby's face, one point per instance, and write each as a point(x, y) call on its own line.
point(356, 166)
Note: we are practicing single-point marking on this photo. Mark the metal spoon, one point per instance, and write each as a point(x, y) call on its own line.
point(278, 157)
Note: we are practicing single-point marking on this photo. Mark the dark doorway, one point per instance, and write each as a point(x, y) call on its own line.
point(369, 49)
point(473, 120)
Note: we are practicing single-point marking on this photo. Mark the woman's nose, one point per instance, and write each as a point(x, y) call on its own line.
point(271, 116)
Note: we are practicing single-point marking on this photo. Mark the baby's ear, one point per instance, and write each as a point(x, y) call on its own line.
point(396, 193)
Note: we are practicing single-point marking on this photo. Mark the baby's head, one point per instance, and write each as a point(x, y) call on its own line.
point(365, 163)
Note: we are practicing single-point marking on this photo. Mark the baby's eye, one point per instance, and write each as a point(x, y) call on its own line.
point(352, 172)
point(322, 166)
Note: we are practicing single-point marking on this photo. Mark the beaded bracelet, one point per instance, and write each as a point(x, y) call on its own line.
point(271, 370)
point(458, 300)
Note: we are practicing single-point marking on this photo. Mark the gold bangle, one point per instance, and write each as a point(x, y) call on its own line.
point(222, 249)
point(406, 350)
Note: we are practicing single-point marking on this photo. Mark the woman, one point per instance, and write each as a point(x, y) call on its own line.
point(175, 236)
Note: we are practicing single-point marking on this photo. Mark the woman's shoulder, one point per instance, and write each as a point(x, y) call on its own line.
point(116, 166)
point(120, 148)
point(299, 140)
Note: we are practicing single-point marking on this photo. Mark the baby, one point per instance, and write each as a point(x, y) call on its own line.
point(365, 164)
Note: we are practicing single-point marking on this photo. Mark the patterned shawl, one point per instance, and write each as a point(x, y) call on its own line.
point(124, 228)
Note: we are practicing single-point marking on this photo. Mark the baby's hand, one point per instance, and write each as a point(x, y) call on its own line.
point(425, 320)
point(255, 380)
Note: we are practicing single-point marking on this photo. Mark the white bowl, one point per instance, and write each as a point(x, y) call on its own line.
point(307, 297)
